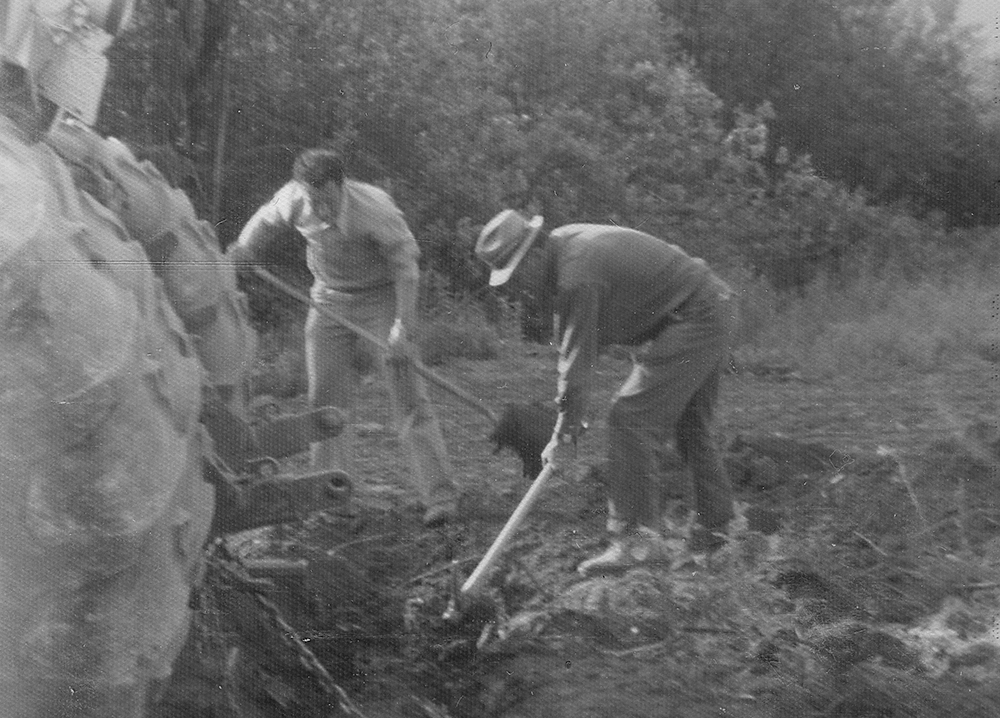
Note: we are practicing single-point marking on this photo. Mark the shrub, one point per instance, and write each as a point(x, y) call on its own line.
point(872, 324)
point(460, 326)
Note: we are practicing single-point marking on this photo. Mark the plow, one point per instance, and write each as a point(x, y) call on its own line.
point(277, 633)
point(244, 466)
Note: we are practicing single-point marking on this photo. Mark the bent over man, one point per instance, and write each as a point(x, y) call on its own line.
point(612, 285)
point(363, 258)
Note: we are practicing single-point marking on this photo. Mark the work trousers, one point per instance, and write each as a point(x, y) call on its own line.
point(671, 394)
point(332, 355)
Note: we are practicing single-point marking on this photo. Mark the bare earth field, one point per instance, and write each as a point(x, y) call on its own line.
point(862, 579)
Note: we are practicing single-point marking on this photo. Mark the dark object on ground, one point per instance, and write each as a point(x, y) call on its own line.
point(770, 462)
point(525, 429)
point(243, 465)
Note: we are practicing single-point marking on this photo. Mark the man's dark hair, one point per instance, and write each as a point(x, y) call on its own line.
point(316, 167)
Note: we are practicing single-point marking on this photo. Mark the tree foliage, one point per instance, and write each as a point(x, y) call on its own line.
point(874, 91)
point(757, 131)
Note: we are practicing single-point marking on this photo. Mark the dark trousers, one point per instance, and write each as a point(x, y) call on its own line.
point(671, 394)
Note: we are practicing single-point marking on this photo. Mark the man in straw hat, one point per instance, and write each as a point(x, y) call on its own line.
point(611, 285)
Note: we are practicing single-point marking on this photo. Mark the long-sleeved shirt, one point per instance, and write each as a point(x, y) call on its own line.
point(367, 247)
point(611, 286)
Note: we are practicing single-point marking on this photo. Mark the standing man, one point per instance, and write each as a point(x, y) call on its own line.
point(611, 285)
point(363, 258)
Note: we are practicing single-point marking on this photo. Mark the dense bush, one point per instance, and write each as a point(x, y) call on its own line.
point(873, 323)
point(635, 112)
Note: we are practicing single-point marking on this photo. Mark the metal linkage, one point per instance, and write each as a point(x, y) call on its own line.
point(308, 659)
point(238, 574)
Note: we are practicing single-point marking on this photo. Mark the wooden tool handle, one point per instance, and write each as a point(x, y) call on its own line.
point(418, 365)
point(472, 584)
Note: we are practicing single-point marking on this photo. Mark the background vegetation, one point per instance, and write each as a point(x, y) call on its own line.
point(846, 153)
point(836, 162)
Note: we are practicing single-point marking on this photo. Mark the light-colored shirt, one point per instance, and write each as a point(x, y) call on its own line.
point(368, 246)
point(612, 285)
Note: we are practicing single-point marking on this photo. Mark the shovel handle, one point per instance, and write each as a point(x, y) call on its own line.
point(472, 584)
point(418, 365)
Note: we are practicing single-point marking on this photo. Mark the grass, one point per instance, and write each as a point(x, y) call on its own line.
point(869, 325)
point(462, 328)
point(872, 325)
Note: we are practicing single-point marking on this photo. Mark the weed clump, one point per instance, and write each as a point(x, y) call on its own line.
point(871, 325)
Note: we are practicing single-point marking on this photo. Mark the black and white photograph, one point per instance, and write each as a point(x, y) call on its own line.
point(499, 358)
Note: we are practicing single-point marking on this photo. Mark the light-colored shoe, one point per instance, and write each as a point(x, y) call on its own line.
point(613, 558)
point(644, 548)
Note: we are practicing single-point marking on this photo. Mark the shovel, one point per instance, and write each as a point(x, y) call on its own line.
point(473, 584)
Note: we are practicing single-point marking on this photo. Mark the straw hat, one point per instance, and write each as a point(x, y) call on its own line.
point(504, 241)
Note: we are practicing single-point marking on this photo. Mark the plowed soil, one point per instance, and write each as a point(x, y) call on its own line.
point(862, 578)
